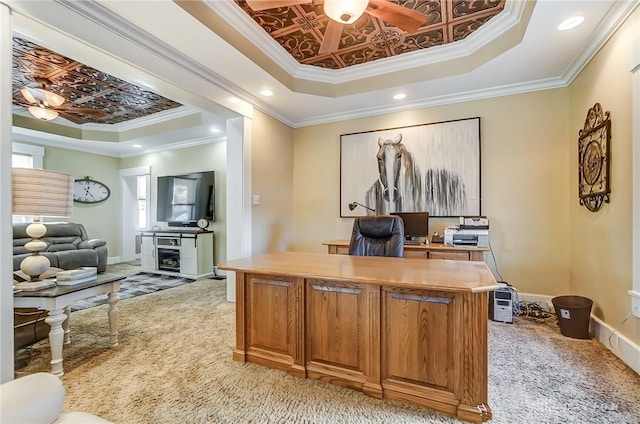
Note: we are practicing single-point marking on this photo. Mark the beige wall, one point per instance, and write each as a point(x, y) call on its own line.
point(205, 157)
point(272, 180)
point(601, 242)
point(102, 220)
point(524, 158)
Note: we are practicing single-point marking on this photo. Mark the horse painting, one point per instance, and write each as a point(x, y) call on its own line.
point(400, 186)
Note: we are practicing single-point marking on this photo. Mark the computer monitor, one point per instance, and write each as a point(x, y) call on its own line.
point(416, 225)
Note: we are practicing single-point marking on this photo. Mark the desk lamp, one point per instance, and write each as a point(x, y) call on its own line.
point(40, 193)
point(354, 205)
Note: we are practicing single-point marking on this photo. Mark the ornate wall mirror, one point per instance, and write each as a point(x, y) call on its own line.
point(594, 159)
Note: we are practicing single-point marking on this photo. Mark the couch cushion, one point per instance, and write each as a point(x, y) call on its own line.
point(71, 259)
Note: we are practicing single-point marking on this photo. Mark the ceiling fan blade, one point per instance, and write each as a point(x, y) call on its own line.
point(331, 39)
point(258, 5)
point(404, 18)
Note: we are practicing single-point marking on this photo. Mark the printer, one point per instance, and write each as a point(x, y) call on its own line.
point(471, 232)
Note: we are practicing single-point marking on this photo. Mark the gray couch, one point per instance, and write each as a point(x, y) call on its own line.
point(69, 246)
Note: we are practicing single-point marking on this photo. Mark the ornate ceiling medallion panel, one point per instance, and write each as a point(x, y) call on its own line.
point(300, 29)
point(91, 96)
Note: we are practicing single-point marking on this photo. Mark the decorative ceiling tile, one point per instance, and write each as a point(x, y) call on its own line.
point(92, 96)
point(299, 29)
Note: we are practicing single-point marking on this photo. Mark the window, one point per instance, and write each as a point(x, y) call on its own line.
point(26, 156)
point(21, 161)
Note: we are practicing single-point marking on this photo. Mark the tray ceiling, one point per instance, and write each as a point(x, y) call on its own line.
point(92, 96)
point(299, 29)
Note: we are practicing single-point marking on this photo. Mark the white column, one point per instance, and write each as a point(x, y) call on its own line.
point(634, 67)
point(6, 231)
point(238, 195)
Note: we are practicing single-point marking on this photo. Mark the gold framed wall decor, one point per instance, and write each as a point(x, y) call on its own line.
point(594, 140)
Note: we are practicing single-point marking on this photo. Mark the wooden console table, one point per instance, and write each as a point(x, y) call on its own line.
point(424, 251)
point(398, 328)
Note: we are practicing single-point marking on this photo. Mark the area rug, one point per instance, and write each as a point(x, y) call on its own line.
point(174, 365)
point(135, 285)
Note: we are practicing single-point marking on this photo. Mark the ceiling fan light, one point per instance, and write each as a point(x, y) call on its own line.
point(52, 99)
point(37, 95)
point(43, 113)
point(345, 11)
point(26, 93)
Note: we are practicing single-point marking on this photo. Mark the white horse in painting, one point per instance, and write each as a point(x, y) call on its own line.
point(401, 188)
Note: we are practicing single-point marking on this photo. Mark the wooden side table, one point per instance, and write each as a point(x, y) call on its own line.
point(57, 301)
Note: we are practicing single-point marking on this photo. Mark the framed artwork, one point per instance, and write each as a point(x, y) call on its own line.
point(432, 168)
point(593, 159)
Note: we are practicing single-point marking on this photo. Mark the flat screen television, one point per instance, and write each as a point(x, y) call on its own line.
point(416, 225)
point(186, 197)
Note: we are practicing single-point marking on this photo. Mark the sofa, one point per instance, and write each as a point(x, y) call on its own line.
point(68, 246)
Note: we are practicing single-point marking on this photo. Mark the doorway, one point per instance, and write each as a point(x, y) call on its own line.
point(135, 211)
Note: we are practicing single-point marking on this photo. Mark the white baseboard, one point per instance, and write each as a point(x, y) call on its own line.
point(113, 260)
point(622, 347)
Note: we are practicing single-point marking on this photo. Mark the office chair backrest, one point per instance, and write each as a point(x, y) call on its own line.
point(381, 235)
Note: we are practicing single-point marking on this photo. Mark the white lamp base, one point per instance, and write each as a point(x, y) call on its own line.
point(35, 265)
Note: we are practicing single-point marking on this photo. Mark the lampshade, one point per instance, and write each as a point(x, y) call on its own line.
point(43, 113)
point(38, 192)
point(40, 95)
point(345, 11)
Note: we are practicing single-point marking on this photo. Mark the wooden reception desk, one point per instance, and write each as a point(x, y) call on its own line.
point(398, 328)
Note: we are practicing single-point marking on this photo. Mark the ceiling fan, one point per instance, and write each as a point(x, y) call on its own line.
point(47, 105)
point(343, 12)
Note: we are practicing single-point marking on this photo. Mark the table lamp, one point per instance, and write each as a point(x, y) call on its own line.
point(40, 193)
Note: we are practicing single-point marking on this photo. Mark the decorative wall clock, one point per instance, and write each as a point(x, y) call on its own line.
point(87, 190)
point(594, 159)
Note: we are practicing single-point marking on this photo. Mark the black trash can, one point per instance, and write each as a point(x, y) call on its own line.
point(573, 314)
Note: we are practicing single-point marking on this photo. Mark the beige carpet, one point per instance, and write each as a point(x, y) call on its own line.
point(174, 365)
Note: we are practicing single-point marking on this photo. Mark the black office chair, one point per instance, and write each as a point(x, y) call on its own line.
point(381, 235)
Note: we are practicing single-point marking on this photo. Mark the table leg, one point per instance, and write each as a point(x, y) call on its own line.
point(65, 325)
point(56, 335)
point(112, 299)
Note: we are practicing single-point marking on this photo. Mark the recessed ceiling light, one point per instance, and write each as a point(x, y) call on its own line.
point(570, 23)
point(137, 146)
point(266, 93)
point(214, 129)
point(399, 96)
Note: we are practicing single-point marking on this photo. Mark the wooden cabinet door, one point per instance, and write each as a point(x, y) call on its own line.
point(343, 328)
point(419, 339)
point(273, 321)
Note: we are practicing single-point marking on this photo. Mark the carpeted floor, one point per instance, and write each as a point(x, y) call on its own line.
point(174, 364)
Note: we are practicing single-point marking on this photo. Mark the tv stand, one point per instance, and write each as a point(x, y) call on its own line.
point(182, 253)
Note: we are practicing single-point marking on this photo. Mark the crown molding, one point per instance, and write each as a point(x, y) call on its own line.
point(156, 118)
point(468, 96)
point(616, 16)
